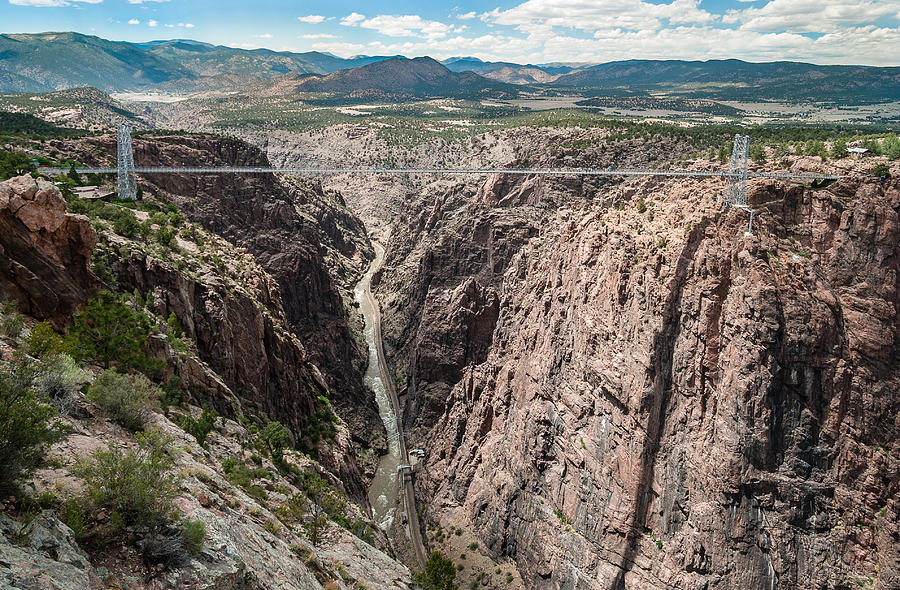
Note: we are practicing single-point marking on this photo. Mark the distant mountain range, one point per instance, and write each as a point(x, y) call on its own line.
point(52, 61)
point(421, 76)
point(46, 62)
point(740, 80)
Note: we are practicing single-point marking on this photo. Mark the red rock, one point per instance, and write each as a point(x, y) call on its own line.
point(44, 252)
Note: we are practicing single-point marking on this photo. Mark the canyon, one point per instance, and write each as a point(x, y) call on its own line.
point(616, 387)
point(614, 383)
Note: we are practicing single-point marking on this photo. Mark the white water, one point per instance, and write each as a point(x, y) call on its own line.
point(383, 492)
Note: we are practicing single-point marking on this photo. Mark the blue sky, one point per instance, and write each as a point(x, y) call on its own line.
point(524, 31)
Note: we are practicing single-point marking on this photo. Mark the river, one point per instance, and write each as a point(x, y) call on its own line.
point(383, 492)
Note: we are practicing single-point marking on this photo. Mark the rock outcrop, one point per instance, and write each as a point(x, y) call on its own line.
point(45, 253)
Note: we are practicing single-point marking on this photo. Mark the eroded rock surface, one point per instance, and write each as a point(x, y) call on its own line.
point(44, 252)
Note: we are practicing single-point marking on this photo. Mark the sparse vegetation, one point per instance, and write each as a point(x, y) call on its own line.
point(27, 424)
point(133, 486)
point(193, 533)
point(123, 398)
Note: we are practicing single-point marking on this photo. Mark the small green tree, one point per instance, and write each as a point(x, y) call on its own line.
point(839, 148)
point(881, 170)
point(317, 517)
point(757, 153)
point(43, 341)
point(439, 573)
point(14, 164)
point(135, 486)
point(201, 428)
point(276, 437)
point(27, 425)
point(110, 331)
point(891, 147)
point(73, 175)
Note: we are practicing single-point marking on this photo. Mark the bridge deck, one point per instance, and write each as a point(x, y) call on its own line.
point(439, 171)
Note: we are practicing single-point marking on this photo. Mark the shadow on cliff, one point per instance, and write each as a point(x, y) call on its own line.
point(663, 352)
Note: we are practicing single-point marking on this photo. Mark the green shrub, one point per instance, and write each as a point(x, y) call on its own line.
point(201, 428)
point(43, 340)
point(14, 164)
point(12, 326)
point(891, 147)
point(166, 237)
point(72, 513)
point(881, 170)
point(27, 425)
point(159, 218)
point(193, 532)
point(757, 153)
point(276, 437)
point(59, 380)
point(240, 475)
point(135, 486)
point(123, 398)
point(172, 391)
point(439, 573)
point(839, 148)
point(126, 224)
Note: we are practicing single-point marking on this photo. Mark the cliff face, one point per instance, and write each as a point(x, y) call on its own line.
point(667, 402)
point(44, 253)
point(305, 238)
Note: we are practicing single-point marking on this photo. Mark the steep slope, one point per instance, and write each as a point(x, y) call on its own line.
point(421, 76)
point(305, 239)
point(615, 388)
point(235, 354)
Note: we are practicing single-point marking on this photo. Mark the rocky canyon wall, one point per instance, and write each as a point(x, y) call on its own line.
point(646, 397)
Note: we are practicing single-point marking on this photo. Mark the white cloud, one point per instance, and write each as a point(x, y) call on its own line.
point(409, 25)
point(186, 25)
point(51, 3)
point(143, 1)
point(319, 36)
point(352, 19)
point(811, 16)
point(467, 16)
point(588, 15)
point(134, 21)
point(312, 19)
point(152, 23)
point(265, 36)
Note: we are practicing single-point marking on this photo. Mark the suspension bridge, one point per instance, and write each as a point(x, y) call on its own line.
point(735, 193)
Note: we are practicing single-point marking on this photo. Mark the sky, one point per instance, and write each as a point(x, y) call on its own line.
point(523, 31)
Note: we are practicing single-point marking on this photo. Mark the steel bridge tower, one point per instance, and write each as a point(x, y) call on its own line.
point(127, 182)
point(736, 187)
